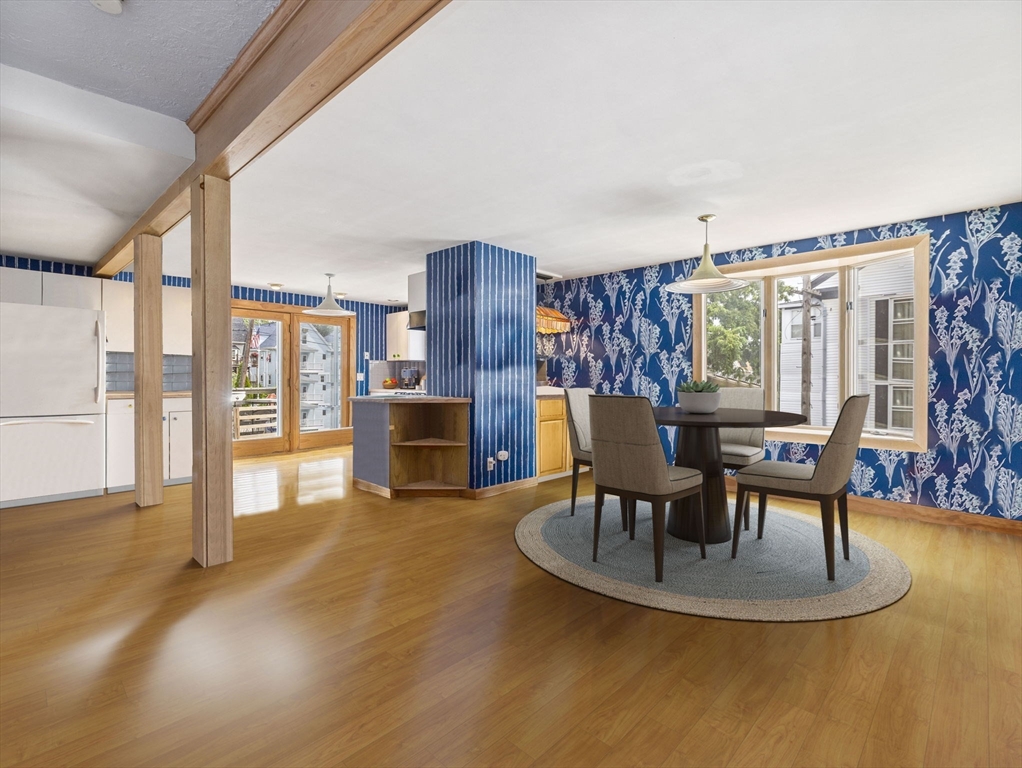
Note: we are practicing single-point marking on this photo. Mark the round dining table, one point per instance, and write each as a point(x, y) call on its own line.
point(699, 448)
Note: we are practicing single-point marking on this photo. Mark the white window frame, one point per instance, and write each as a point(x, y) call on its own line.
point(843, 260)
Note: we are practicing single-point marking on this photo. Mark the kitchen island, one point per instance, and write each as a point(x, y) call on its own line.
point(410, 445)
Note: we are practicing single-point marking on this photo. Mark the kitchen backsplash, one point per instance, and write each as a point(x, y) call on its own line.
point(120, 372)
point(391, 369)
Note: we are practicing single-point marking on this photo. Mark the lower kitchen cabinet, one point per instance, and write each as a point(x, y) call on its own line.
point(552, 448)
point(178, 455)
point(120, 442)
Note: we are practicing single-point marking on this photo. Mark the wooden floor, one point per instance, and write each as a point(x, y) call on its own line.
point(353, 630)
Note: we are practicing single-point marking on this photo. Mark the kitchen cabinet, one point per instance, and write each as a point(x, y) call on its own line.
point(119, 305)
point(179, 445)
point(177, 321)
point(403, 344)
point(552, 447)
point(120, 444)
point(20, 286)
point(120, 439)
point(72, 291)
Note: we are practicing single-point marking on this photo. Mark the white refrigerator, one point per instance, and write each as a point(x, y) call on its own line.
point(52, 403)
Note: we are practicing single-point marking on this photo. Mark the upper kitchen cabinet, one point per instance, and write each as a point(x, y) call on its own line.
point(20, 286)
point(119, 305)
point(403, 344)
point(72, 291)
point(177, 321)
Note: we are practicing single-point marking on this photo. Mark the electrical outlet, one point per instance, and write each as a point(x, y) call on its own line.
point(367, 355)
point(491, 464)
point(503, 455)
point(360, 377)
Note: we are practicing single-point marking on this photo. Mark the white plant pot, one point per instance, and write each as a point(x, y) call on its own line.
point(698, 402)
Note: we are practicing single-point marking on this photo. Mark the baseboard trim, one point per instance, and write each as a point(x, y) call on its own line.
point(923, 514)
point(379, 490)
point(495, 490)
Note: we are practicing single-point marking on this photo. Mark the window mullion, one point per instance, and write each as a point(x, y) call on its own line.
point(770, 343)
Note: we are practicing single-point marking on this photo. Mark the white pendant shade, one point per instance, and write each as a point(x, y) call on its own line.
point(707, 278)
point(329, 306)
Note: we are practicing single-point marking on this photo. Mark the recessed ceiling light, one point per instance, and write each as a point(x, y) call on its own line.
point(113, 7)
point(276, 286)
point(339, 296)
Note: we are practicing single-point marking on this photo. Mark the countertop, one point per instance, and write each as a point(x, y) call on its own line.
point(408, 399)
point(131, 395)
point(548, 393)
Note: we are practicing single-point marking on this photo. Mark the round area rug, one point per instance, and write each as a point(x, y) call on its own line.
point(781, 577)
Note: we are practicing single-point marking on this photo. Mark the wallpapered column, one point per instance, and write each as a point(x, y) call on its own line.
point(480, 325)
point(630, 335)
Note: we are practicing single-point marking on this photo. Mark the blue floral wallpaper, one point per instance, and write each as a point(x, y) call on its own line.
point(629, 335)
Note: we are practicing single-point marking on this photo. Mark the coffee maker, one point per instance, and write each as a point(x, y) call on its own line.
point(409, 378)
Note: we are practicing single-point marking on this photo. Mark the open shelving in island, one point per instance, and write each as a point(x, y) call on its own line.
point(411, 445)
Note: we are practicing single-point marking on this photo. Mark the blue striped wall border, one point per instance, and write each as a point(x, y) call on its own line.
point(481, 305)
point(46, 265)
point(370, 319)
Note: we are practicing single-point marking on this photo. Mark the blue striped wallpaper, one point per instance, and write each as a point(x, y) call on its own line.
point(370, 319)
point(480, 330)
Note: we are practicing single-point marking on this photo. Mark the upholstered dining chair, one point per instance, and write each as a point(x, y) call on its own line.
point(741, 447)
point(576, 404)
point(628, 461)
point(825, 483)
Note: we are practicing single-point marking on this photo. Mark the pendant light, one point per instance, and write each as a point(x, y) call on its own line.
point(707, 278)
point(329, 306)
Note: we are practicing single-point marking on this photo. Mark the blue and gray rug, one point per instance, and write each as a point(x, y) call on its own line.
point(781, 577)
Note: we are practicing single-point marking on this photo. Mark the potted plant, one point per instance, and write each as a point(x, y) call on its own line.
point(698, 396)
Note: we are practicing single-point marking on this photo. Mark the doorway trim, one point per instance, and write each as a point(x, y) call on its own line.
point(291, 316)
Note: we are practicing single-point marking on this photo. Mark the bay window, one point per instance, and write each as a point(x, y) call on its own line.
point(831, 323)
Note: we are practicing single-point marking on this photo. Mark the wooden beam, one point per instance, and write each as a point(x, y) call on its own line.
point(305, 53)
point(148, 370)
point(212, 478)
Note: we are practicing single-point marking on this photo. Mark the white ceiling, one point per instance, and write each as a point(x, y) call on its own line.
point(163, 55)
point(77, 169)
point(592, 134)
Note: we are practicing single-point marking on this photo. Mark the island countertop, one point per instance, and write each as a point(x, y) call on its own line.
point(408, 399)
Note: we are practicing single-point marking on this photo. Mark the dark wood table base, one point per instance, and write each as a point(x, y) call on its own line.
point(699, 448)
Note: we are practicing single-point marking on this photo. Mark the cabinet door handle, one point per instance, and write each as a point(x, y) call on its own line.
point(100, 362)
point(44, 421)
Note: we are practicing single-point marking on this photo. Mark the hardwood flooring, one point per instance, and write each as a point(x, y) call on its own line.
point(359, 631)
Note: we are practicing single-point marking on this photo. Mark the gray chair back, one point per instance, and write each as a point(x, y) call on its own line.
point(742, 397)
point(834, 469)
point(576, 402)
point(627, 453)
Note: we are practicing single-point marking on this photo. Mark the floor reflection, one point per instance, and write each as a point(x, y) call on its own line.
point(321, 480)
point(256, 490)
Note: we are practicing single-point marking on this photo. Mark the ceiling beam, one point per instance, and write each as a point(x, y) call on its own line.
point(305, 52)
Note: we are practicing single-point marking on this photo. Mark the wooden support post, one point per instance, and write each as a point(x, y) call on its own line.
point(148, 370)
point(212, 480)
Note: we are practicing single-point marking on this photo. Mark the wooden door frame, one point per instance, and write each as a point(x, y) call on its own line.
point(282, 442)
point(294, 317)
point(329, 437)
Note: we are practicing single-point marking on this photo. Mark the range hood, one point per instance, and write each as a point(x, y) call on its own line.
point(417, 302)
